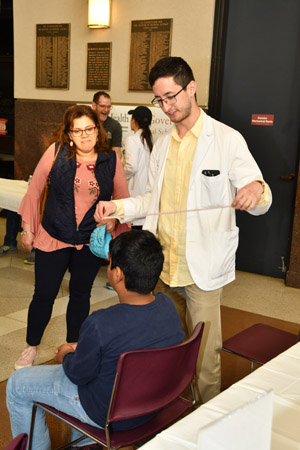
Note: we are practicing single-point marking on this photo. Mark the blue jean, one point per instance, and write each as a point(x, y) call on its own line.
point(47, 384)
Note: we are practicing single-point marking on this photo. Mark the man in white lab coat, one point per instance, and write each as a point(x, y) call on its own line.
point(204, 167)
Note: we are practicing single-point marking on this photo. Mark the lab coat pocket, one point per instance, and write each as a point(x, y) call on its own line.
point(214, 191)
point(224, 245)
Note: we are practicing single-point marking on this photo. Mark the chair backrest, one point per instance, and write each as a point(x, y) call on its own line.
point(148, 380)
point(18, 443)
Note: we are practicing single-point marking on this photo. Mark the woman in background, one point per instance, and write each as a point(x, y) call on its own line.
point(137, 154)
point(84, 172)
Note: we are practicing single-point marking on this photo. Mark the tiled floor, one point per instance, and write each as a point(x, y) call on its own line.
point(249, 293)
point(263, 295)
point(17, 284)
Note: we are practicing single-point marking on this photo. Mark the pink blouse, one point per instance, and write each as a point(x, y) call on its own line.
point(86, 191)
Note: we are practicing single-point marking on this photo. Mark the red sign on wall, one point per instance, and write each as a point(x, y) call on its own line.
point(266, 120)
point(3, 126)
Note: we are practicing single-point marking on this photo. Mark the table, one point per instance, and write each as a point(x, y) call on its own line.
point(11, 193)
point(282, 374)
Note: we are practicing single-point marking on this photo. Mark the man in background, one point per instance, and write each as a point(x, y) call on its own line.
point(102, 105)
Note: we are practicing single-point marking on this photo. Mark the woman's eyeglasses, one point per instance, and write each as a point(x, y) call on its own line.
point(88, 131)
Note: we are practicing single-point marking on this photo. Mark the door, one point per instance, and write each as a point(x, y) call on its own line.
point(262, 76)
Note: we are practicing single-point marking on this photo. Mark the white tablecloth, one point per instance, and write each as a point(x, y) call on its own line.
point(11, 193)
point(282, 374)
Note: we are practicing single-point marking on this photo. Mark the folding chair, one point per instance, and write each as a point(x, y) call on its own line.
point(260, 343)
point(146, 381)
point(18, 443)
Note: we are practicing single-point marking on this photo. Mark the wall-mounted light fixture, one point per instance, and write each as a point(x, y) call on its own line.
point(99, 13)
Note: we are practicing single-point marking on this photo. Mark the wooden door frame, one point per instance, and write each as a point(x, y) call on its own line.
point(293, 273)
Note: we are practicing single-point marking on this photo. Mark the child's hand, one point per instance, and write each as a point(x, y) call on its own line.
point(74, 345)
point(62, 350)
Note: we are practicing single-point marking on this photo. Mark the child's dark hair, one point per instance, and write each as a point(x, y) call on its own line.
point(139, 255)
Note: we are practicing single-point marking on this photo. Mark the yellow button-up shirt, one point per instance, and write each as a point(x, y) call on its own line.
point(175, 187)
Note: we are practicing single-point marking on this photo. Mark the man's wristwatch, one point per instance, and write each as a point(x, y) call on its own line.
point(25, 232)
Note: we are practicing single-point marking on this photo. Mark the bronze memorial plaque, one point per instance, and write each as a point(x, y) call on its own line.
point(98, 66)
point(150, 41)
point(52, 55)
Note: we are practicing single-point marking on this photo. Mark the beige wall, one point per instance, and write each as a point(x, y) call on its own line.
point(191, 39)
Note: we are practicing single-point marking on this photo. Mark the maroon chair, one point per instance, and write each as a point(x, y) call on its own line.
point(18, 443)
point(260, 343)
point(146, 381)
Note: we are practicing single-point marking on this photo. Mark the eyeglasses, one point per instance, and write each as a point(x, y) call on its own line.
point(88, 131)
point(168, 100)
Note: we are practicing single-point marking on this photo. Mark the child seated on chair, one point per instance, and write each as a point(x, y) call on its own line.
point(82, 383)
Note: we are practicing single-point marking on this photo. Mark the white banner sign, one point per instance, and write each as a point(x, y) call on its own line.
point(160, 122)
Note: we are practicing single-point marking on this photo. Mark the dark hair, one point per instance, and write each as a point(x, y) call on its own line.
point(75, 112)
point(172, 66)
point(98, 94)
point(143, 117)
point(139, 255)
point(146, 135)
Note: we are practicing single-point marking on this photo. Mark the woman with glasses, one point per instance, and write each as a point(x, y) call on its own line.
point(83, 173)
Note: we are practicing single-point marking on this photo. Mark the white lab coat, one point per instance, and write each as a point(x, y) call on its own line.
point(211, 235)
point(136, 164)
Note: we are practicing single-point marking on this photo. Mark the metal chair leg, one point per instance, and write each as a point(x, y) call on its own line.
point(32, 425)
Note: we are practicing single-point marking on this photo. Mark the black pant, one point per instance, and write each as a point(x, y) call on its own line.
point(12, 229)
point(50, 268)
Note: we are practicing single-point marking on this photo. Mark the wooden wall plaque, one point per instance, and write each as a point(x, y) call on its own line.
point(98, 66)
point(150, 41)
point(52, 55)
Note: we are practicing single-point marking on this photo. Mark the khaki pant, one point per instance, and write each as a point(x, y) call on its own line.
point(195, 305)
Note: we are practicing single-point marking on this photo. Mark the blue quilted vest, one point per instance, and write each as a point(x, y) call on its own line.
point(59, 214)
